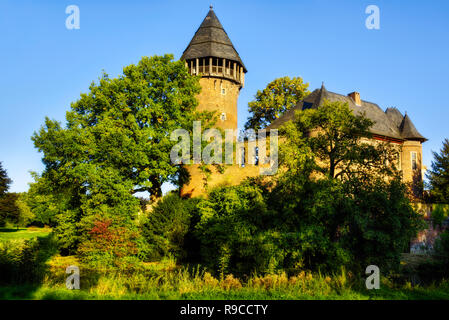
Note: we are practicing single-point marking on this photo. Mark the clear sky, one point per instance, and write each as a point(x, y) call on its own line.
point(45, 66)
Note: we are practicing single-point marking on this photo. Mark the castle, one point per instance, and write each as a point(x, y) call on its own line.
point(212, 55)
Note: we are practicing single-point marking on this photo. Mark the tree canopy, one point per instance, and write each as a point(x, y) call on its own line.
point(331, 205)
point(279, 96)
point(337, 138)
point(116, 142)
point(439, 174)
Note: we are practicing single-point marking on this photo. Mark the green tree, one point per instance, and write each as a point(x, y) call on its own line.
point(26, 216)
point(44, 201)
point(5, 181)
point(279, 96)
point(117, 142)
point(337, 139)
point(166, 226)
point(348, 202)
point(439, 174)
point(9, 212)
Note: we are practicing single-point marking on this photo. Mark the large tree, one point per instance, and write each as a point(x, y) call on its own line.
point(119, 132)
point(116, 143)
point(338, 139)
point(341, 193)
point(439, 175)
point(279, 96)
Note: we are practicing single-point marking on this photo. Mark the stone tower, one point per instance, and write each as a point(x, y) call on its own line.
point(212, 55)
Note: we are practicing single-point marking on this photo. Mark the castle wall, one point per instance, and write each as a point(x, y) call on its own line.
point(220, 95)
point(406, 161)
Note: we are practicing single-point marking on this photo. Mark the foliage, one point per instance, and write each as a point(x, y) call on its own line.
point(439, 174)
point(339, 189)
point(25, 214)
point(234, 231)
point(278, 97)
point(337, 139)
point(162, 281)
point(23, 261)
point(116, 143)
point(334, 203)
point(108, 243)
point(5, 181)
point(166, 226)
point(44, 201)
point(440, 213)
point(442, 249)
point(9, 211)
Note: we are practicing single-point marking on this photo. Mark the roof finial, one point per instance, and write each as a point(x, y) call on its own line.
point(211, 7)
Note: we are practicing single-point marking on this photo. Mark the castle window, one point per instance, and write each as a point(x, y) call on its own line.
point(414, 160)
point(256, 156)
point(223, 91)
point(223, 116)
point(242, 159)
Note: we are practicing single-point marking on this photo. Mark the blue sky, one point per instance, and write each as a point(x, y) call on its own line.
point(45, 66)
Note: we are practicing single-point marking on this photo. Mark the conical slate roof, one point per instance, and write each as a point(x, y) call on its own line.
point(408, 129)
point(390, 123)
point(211, 40)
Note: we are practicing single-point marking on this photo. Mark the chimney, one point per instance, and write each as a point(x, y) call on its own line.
point(356, 97)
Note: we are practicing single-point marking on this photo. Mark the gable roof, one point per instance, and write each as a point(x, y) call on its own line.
point(211, 40)
point(390, 123)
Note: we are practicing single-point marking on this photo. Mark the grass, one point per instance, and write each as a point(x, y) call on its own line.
point(182, 285)
point(166, 280)
point(23, 233)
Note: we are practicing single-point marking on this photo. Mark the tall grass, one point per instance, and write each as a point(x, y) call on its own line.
point(31, 269)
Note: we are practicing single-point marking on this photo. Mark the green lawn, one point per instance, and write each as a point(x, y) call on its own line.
point(23, 233)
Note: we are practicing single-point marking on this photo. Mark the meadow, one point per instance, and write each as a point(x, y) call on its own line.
point(39, 273)
point(23, 233)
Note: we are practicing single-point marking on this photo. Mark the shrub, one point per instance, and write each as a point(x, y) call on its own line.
point(234, 231)
point(439, 214)
point(109, 243)
point(23, 261)
point(166, 227)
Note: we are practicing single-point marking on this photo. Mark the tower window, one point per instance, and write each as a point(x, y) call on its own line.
point(242, 159)
point(223, 116)
point(414, 161)
point(256, 156)
point(223, 91)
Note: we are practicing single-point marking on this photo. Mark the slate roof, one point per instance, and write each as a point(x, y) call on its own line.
point(211, 40)
point(390, 123)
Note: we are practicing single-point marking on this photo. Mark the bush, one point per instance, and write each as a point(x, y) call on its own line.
point(439, 214)
point(234, 231)
point(109, 243)
point(166, 227)
point(23, 261)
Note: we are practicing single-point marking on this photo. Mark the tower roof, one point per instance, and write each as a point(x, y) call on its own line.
point(390, 123)
point(408, 129)
point(211, 40)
